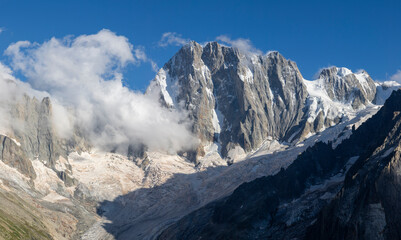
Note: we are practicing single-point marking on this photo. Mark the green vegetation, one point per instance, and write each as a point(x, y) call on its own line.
point(11, 228)
point(18, 222)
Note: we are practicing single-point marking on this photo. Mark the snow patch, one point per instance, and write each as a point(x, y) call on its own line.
point(13, 177)
point(384, 90)
point(318, 100)
point(61, 164)
point(46, 179)
point(388, 152)
point(168, 88)
point(105, 175)
point(205, 72)
point(342, 72)
point(54, 197)
point(291, 138)
point(236, 154)
point(12, 139)
point(246, 75)
point(216, 122)
point(362, 77)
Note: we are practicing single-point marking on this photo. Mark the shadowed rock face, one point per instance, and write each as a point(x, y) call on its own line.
point(14, 156)
point(368, 205)
point(283, 206)
point(233, 98)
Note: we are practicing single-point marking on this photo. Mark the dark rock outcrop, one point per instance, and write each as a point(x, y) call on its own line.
point(284, 205)
point(368, 205)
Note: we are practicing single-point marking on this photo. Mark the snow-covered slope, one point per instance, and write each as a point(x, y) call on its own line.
point(337, 95)
point(384, 90)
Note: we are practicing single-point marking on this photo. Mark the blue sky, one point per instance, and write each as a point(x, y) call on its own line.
point(315, 34)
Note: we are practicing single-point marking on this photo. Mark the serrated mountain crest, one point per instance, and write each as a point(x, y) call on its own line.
point(238, 100)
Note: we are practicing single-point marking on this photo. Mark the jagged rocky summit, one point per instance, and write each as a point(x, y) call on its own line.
point(237, 100)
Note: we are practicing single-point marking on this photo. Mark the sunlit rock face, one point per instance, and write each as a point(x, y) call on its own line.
point(239, 99)
point(234, 98)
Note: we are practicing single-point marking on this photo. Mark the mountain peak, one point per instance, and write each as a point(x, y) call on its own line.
point(218, 85)
point(273, 53)
point(343, 71)
point(335, 71)
point(214, 82)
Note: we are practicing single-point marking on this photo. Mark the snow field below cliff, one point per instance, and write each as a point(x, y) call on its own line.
point(384, 90)
point(318, 101)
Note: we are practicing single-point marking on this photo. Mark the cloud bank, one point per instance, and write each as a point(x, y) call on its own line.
point(141, 55)
point(11, 92)
point(85, 75)
point(396, 77)
point(244, 45)
point(172, 39)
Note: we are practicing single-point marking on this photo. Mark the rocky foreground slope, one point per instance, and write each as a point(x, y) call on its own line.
point(347, 192)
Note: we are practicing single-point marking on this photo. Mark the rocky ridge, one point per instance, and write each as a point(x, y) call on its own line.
point(351, 188)
point(367, 205)
point(236, 99)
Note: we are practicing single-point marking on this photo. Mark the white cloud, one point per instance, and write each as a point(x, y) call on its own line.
point(1, 30)
point(172, 38)
point(84, 73)
point(11, 91)
point(8, 92)
point(396, 77)
point(141, 55)
point(244, 45)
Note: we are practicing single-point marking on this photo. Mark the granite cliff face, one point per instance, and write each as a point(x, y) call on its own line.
point(34, 137)
point(234, 98)
point(347, 192)
point(237, 100)
point(36, 134)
